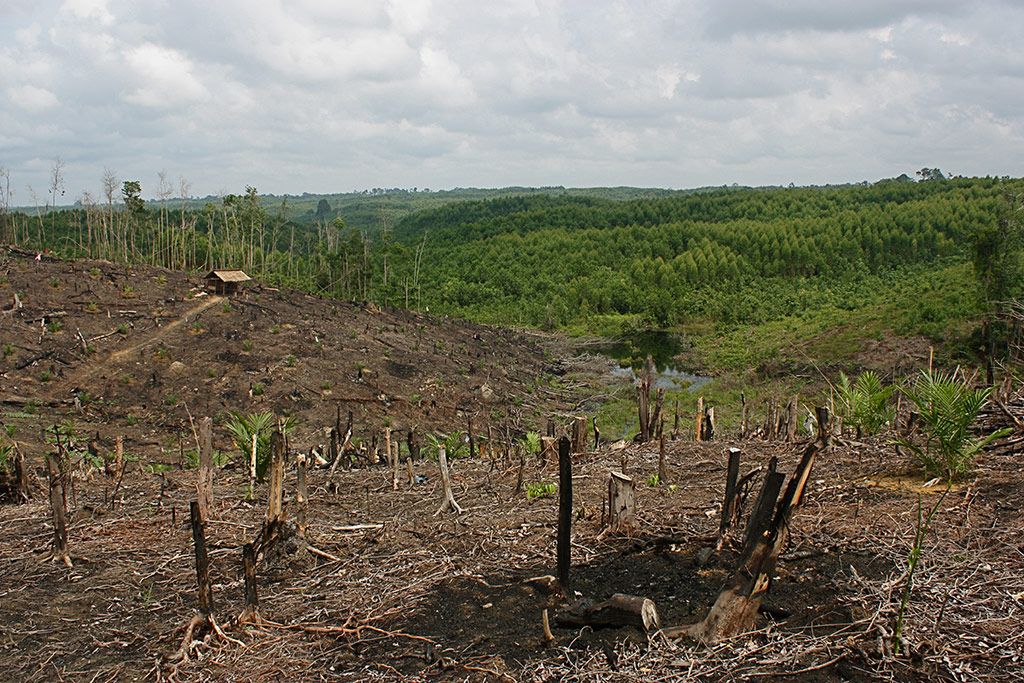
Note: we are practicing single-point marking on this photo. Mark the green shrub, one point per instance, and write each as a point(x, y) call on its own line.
point(539, 490)
point(864, 404)
point(948, 407)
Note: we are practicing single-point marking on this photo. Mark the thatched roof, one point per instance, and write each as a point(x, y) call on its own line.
point(228, 275)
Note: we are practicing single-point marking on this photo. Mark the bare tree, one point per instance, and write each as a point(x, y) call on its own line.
point(6, 225)
point(56, 181)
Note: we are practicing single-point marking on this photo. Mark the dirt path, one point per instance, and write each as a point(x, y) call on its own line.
point(86, 371)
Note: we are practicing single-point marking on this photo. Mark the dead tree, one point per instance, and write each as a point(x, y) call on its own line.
point(643, 395)
point(738, 603)
point(730, 509)
point(414, 444)
point(563, 549)
point(331, 485)
point(251, 612)
point(204, 486)
point(597, 434)
point(301, 493)
point(58, 506)
point(449, 502)
point(654, 426)
point(662, 470)
point(275, 514)
point(698, 420)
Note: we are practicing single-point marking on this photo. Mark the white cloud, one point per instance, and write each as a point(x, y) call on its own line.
point(32, 99)
point(318, 95)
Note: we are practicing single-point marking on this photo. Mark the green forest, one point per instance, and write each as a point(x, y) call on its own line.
point(934, 257)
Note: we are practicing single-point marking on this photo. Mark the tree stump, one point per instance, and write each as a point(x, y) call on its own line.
point(621, 503)
point(449, 502)
point(563, 549)
point(58, 506)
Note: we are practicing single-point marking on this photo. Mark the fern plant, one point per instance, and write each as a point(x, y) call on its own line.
point(865, 403)
point(947, 407)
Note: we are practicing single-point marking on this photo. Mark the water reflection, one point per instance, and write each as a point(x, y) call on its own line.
point(662, 347)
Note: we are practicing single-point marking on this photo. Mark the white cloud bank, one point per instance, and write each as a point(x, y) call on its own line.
point(323, 96)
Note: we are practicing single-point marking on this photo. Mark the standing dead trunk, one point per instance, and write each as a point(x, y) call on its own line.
point(251, 612)
point(621, 503)
point(729, 505)
point(662, 473)
point(341, 453)
point(276, 494)
point(414, 444)
point(202, 560)
point(698, 421)
point(548, 451)
point(791, 418)
point(643, 393)
point(469, 435)
point(654, 426)
point(597, 434)
point(58, 507)
point(449, 502)
point(737, 605)
point(563, 549)
point(21, 487)
point(205, 484)
point(744, 426)
point(301, 497)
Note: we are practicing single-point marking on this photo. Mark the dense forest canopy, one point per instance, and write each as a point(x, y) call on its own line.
point(554, 257)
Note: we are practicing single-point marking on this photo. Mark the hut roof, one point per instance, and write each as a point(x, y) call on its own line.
point(235, 275)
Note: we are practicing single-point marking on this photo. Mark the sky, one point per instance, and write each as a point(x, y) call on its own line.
point(326, 96)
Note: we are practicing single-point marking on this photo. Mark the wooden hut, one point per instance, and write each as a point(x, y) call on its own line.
point(225, 282)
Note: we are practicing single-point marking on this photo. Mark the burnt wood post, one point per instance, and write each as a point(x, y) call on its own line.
point(250, 613)
point(469, 432)
point(708, 431)
point(729, 505)
point(662, 473)
point(202, 561)
point(58, 506)
point(276, 494)
point(597, 434)
point(205, 484)
point(564, 551)
point(740, 599)
point(414, 444)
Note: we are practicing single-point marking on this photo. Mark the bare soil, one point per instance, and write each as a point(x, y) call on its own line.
point(394, 590)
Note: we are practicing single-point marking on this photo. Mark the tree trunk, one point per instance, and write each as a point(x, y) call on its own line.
point(698, 426)
point(205, 483)
point(729, 506)
point(276, 493)
point(58, 506)
point(449, 502)
point(202, 561)
point(621, 503)
point(564, 551)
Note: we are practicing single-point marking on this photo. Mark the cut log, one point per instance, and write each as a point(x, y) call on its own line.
point(618, 610)
point(621, 503)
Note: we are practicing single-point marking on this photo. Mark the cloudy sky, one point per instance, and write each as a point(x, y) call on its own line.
point(296, 96)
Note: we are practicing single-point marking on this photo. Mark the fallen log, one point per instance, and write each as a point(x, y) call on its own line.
point(618, 610)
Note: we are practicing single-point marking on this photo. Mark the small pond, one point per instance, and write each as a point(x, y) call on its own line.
point(630, 353)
